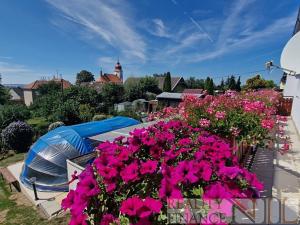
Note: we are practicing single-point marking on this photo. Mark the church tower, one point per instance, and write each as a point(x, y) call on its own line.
point(118, 71)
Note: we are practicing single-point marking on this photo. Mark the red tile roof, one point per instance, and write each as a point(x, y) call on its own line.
point(109, 78)
point(36, 84)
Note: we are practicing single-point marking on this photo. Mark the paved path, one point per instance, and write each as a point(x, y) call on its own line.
point(281, 177)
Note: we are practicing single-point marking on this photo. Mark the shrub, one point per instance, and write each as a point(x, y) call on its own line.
point(39, 125)
point(12, 113)
point(86, 112)
point(100, 117)
point(18, 136)
point(54, 125)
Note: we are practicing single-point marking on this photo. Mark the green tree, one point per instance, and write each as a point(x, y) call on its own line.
point(86, 112)
point(84, 76)
point(167, 83)
point(67, 112)
point(49, 87)
point(209, 85)
point(83, 95)
point(149, 84)
point(257, 82)
point(238, 84)
point(222, 85)
point(111, 94)
point(4, 95)
point(193, 83)
point(133, 92)
point(232, 83)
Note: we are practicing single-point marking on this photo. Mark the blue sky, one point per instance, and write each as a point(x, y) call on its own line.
point(186, 37)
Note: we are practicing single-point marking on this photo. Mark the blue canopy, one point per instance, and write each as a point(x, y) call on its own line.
point(46, 159)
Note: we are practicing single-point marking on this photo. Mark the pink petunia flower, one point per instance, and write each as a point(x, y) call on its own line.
point(150, 206)
point(216, 191)
point(130, 173)
point(131, 206)
point(148, 167)
point(88, 186)
point(169, 190)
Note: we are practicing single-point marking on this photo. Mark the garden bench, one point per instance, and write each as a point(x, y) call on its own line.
point(9, 178)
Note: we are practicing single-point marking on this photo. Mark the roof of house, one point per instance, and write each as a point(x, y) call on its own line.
point(160, 80)
point(171, 95)
point(36, 84)
point(18, 91)
point(106, 78)
point(174, 82)
point(193, 91)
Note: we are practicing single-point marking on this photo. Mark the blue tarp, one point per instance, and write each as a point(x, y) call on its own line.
point(46, 159)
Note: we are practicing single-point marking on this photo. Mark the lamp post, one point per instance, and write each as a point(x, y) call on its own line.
point(33, 180)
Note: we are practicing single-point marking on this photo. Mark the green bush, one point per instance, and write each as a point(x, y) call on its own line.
point(129, 113)
point(86, 112)
point(55, 125)
point(12, 113)
point(100, 117)
point(17, 136)
point(39, 125)
point(68, 113)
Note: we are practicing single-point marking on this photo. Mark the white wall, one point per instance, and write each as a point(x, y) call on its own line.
point(296, 103)
point(28, 97)
point(291, 86)
point(72, 167)
point(14, 95)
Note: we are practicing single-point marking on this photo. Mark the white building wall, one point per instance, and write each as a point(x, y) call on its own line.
point(291, 86)
point(14, 95)
point(296, 102)
point(28, 97)
point(72, 167)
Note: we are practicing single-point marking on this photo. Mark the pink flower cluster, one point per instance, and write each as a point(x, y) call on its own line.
point(268, 123)
point(220, 115)
point(245, 113)
point(138, 176)
point(204, 123)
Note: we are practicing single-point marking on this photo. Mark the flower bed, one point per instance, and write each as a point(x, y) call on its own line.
point(135, 180)
point(131, 180)
point(245, 116)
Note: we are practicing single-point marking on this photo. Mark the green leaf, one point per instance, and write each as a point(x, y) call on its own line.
point(198, 191)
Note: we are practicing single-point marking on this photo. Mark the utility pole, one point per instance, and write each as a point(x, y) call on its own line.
point(62, 93)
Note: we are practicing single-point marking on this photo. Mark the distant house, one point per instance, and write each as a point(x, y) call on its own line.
point(177, 83)
point(123, 106)
point(31, 90)
point(173, 99)
point(16, 94)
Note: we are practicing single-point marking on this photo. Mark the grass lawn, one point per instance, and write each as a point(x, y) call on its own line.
point(15, 208)
point(12, 159)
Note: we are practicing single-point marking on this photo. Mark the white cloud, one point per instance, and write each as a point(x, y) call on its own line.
point(156, 27)
point(106, 21)
point(241, 33)
point(187, 42)
point(12, 68)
